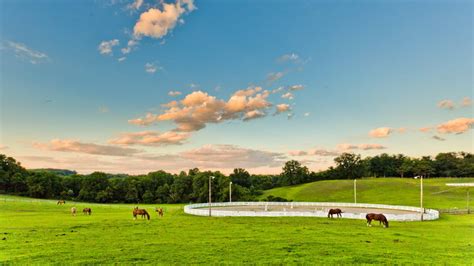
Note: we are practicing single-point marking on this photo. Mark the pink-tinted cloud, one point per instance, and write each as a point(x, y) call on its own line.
point(315, 152)
point(402, 130)
point(271, 77)
point(466, 101)
point(381, 132)
point(288, 96)
point(150, 138)
point(156, 23)
point(231, 156)
point(456, 126)
point(426, 129)
point(281, 108)
point(365, 147)
point(89, 148)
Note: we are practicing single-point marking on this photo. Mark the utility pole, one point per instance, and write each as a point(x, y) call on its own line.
point(230, 191)
point(210, 194)
point(421, 197)
point(355, 190)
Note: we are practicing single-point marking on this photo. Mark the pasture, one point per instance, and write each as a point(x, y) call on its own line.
point(39, 231)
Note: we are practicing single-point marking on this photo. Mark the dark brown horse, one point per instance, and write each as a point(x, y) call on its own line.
point(338, 213)
point(141, 212)
point(87, 211)
point(377, 217)
point(159, 211)
point(61, 202)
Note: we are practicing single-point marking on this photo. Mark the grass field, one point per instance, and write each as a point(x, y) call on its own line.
point(39, 231)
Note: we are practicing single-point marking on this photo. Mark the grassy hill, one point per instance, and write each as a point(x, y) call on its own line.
point(36, 231)
point(395, 191)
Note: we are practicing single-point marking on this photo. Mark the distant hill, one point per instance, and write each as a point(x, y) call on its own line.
point(63, 172)
point(395, 191)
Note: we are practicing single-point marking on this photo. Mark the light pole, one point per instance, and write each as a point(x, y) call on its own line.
point(230, 191)
point(355, 190)
point(210, 193)
point(421, 195)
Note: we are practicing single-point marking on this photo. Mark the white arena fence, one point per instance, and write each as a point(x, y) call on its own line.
point(320, 210)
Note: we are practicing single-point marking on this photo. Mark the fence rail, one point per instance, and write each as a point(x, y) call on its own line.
point(202, 209)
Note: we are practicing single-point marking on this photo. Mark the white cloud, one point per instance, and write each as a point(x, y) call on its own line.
point(174, 93)
point(307, 114)
point(296, 87)
point(151, 68)
point(106, 47)
point(135, 5)
point(121, 59)
point(24, 52)
point(271, 77)
point(288, 96)
point(288, 57)
point(365, 147)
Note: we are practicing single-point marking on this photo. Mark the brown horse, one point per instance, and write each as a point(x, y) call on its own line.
point(141, 212)
point(87, 211)
point(159, 211)
point(377, 217)
point(73, 211)
point(61, 202)
point(338, 213)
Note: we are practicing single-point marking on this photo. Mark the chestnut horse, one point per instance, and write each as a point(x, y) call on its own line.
point(159, 211)
point(61, 202)
point(141, 212)
point(87, 211)
point(338, 213)
point(377, 217)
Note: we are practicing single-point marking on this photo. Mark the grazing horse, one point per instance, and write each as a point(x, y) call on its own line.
point(141, 212)
point(87, 211)
point(377, 217)
point(61, 202)
point(159, 211)
point(73, 211)
point(338, 213)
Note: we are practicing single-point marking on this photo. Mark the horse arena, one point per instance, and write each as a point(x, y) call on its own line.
point(310, 209)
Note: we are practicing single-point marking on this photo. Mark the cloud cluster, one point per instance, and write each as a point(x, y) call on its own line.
point(105, 47)
point(451, 105)
point(89, 148)
point(231, 156)
point(198, 108)
point(151, 68)
point(344, 147)
point(365, 147)
point(208, 157)
point(150, 138)
point(24, 52)
point(288, 57)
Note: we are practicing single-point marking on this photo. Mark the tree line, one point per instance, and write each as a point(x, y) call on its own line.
point(192, 186)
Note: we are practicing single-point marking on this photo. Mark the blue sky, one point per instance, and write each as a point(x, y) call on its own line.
point(365, 77)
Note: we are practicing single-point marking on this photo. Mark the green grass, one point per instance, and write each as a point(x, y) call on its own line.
point(39, 231)
point(395, 191)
